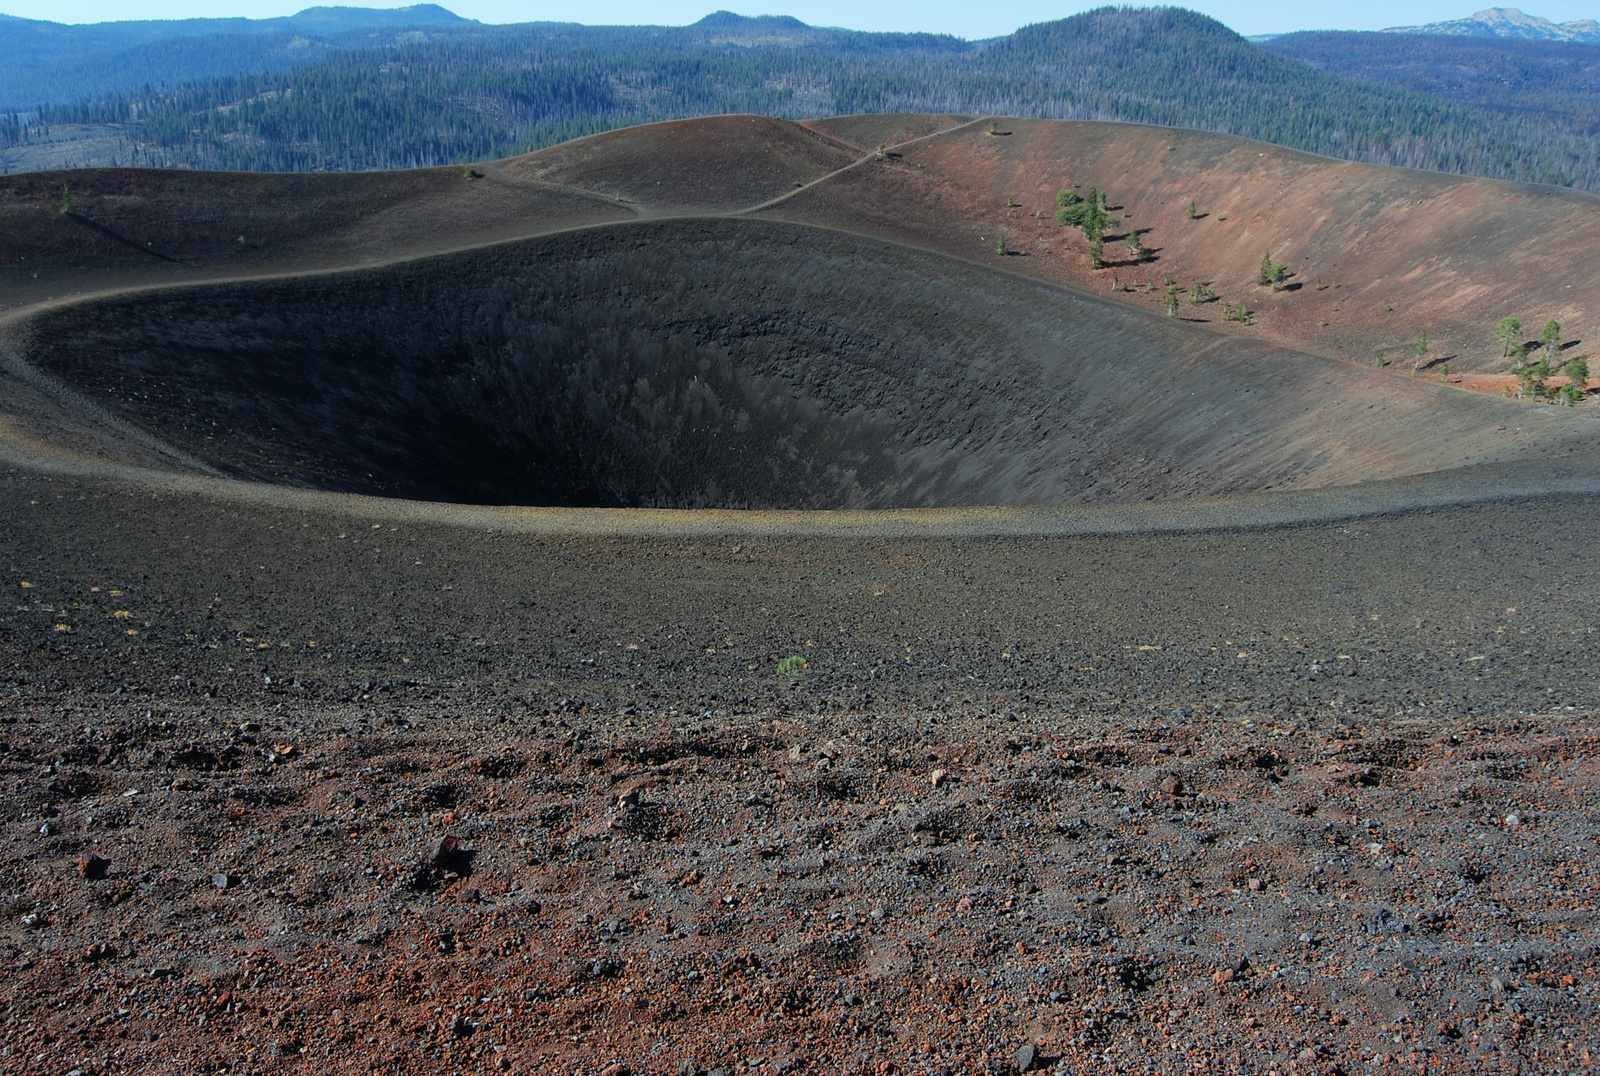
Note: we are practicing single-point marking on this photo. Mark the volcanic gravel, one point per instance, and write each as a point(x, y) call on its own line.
point(298, 782)
point(290, 790)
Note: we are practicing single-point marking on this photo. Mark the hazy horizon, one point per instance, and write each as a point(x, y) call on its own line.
point(1250, 17)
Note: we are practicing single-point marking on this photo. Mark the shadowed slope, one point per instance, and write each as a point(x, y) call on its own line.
point(133, 226)
point(735, 364)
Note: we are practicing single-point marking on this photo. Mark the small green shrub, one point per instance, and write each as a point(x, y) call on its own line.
point(1531, 379)
point(1072, 216)
point(791, 666)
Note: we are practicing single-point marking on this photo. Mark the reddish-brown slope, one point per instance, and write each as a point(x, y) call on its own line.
point(1398, 251)
point(705, 165)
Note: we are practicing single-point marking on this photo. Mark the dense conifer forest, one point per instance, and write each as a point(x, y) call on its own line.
point(463, 93)
point(1557, 80)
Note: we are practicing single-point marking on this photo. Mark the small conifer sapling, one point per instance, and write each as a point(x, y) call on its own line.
point(1508, 330)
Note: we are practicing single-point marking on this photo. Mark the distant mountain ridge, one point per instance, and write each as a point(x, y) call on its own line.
point(1519, 78)
point(320, 20)
point(409, 95)
point(1509, 22)
point(49, 62)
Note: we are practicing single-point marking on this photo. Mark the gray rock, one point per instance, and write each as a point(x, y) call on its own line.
point(1025, 1058)
point(445, 852)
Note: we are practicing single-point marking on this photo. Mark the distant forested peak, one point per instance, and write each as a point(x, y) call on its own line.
point(728, 20)
point(1127, 24)
point(336, 19)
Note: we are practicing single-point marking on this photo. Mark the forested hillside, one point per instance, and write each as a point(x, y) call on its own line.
point(57, 63)
point(1556, 80)
point(479, 91)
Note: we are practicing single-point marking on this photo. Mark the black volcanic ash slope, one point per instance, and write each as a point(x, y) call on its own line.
point(729, 363)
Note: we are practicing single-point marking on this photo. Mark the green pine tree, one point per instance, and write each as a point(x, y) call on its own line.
point(1531, 379)
point(1508, 331)
point(1577, 371)
point(1550, 339)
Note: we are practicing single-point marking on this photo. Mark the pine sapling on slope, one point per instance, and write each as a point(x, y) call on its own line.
point(1577, 386)
point(1509, 330)
point(1419, 351)
point(1578, 370)
point(1531, 379)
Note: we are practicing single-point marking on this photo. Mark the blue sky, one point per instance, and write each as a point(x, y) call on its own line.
point(963, 18)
